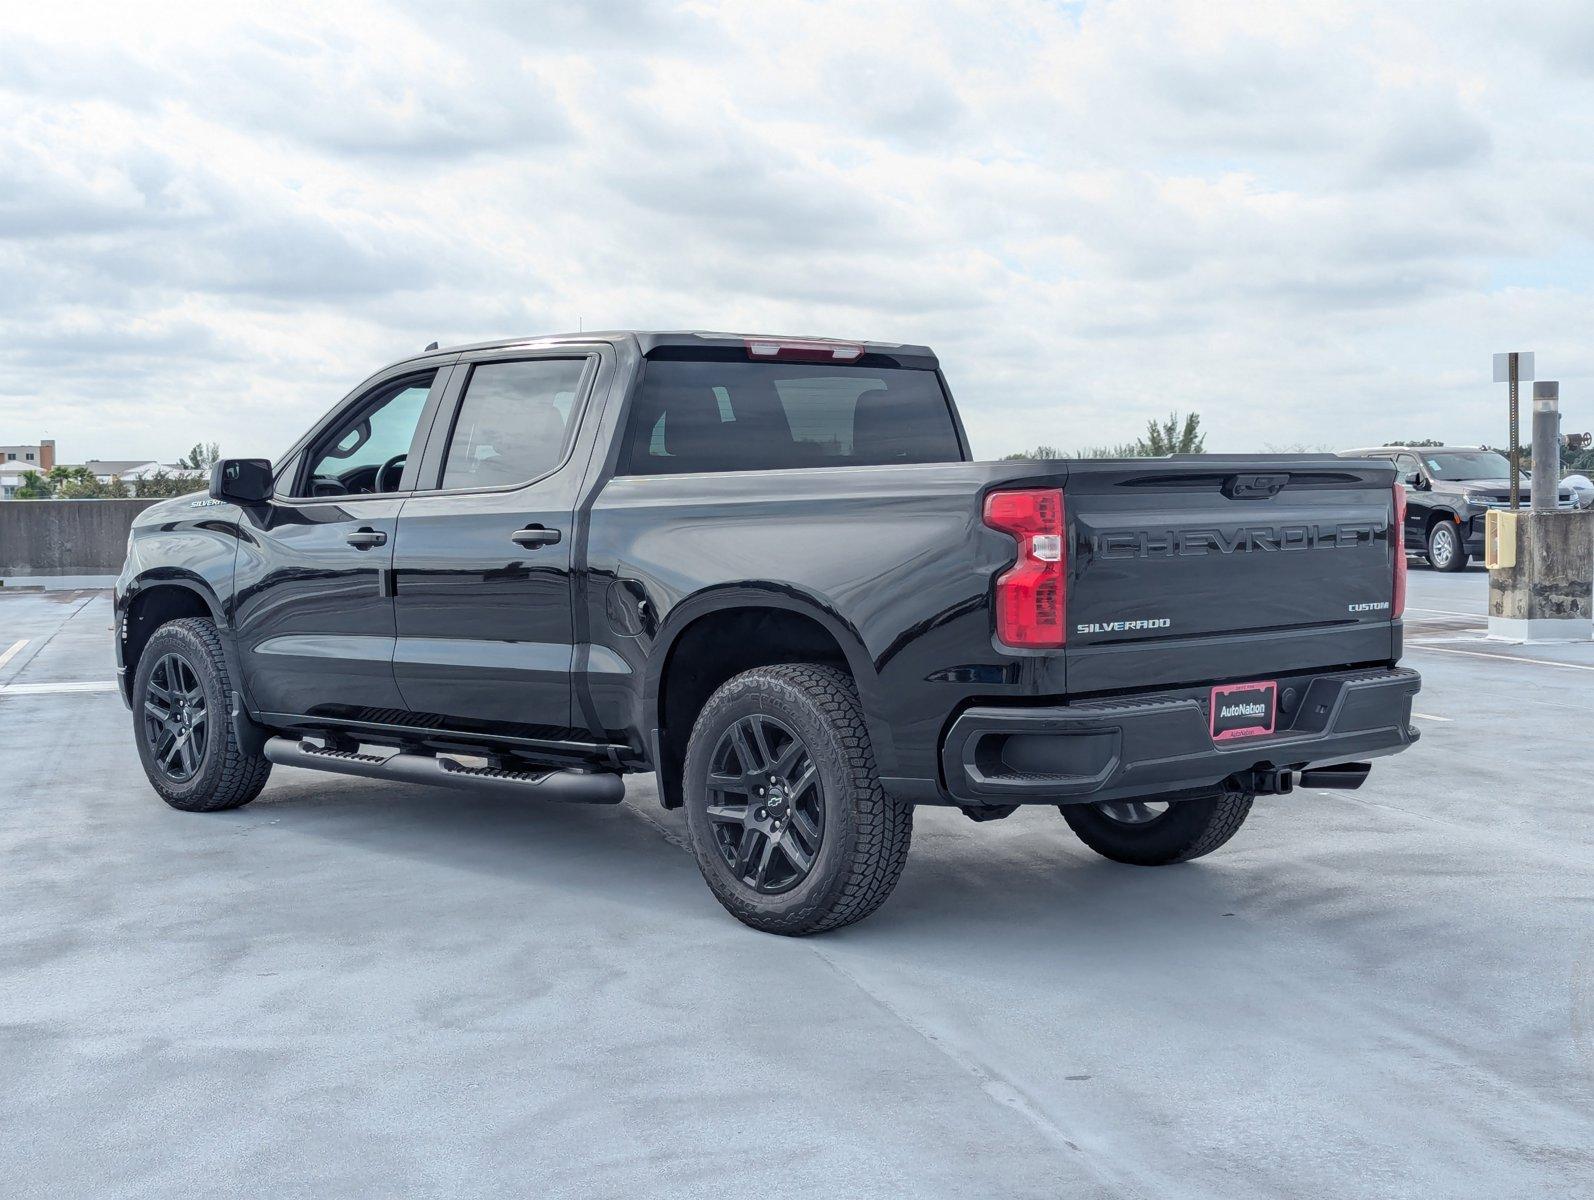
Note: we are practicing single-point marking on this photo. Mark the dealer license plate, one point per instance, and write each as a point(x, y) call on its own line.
point(1242, 710)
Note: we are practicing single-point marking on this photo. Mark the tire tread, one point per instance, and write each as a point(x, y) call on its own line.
point(883, 826)
point(242, 775)
point(1191, 829)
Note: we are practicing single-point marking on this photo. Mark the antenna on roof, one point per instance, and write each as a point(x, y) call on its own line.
point(431, 345)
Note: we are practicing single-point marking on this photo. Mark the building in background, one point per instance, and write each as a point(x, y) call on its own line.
point(36, 458)
point(106, 469)
point(17, 461)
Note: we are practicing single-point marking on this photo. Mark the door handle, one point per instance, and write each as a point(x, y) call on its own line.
point(364, 539)
point(535, 535)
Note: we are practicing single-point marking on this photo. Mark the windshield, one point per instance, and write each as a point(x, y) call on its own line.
point(1469, 464)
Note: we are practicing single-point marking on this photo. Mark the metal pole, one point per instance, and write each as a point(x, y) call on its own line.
point(1546, 445)
point(1516, 450)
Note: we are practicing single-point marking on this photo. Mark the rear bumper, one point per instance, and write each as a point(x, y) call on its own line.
point(1160, 744)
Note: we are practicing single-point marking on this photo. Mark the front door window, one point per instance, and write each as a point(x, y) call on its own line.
point(365, 454)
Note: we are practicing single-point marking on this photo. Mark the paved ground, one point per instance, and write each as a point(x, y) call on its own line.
point(353, 990)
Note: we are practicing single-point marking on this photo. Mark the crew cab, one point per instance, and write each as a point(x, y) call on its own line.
point(768, 571)
point(1449, 489)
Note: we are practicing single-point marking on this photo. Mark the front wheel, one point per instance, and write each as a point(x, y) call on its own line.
point(1445, 550)
point(790, 826)
point(182, 723)
point(1154, 833)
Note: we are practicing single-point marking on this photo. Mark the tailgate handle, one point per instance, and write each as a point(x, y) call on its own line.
point(1254, 487)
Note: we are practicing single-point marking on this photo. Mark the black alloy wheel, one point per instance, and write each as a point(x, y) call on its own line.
point(1133, 812)
point(1151, 832)
point(177, 718)
point(187, 738)
point(787, 818)
point(766, 805)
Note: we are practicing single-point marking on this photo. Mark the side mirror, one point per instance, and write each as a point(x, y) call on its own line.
point(241, 480)
point(1414, 479)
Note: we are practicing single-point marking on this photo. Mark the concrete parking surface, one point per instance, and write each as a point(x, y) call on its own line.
point(351, 989)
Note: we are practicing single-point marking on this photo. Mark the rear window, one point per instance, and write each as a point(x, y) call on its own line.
point(754, 416)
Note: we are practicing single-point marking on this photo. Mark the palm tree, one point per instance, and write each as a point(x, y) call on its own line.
point(201, 458)
point(34, 487)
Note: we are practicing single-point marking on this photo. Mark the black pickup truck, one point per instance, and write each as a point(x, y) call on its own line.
point(766, 570)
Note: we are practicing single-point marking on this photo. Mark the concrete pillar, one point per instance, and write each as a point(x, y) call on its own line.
point(1541, 576)
point(1546, 445)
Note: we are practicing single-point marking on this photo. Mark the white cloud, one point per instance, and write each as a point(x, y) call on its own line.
point(1310, 222)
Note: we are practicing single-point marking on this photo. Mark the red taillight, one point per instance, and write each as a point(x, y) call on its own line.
point(1031, 595)
point(788, 350)
point(1397, 538)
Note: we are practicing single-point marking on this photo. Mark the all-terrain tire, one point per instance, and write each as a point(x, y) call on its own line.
point(866, 833)
point(1446, 550)
point(1188, 829)
point(227, 775)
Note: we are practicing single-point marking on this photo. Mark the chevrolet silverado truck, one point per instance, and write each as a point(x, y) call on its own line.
point(768, 571)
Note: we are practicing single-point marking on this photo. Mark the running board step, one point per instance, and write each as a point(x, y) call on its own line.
point(572, 787)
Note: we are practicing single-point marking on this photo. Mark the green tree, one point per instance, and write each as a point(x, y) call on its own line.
point(34, 487)
point(202, 457)
point(164, 483)
point(1172, 436)
point(79, 483)
point(1127, 450)
point(1573, 462)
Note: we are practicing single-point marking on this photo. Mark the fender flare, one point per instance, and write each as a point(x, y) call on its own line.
point(159, 577)
point(788, 598)
point(189, 581)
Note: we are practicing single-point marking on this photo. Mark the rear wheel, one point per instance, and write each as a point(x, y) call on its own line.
point(1152, 833)
point(788, 821)
point(183, 726)
point(1445, 549)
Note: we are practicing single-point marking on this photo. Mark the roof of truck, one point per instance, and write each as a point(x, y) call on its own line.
point(652, 339)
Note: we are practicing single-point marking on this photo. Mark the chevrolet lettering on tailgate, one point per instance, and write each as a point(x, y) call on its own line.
point(1253, 539)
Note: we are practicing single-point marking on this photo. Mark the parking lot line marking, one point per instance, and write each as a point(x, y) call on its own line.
point(1431, 717)
point(1449, 612)
point(47, 689)
point(13, 652)
point(1537, 662)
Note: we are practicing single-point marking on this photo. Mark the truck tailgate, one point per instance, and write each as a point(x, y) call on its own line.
point(1213, 569)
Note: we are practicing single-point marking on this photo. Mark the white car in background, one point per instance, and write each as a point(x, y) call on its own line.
point(1582, 488)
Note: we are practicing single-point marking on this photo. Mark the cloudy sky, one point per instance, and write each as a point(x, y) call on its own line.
point(1312, 222)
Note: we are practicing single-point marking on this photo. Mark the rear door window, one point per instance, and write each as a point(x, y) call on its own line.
point(725, 415)
point(514, 422)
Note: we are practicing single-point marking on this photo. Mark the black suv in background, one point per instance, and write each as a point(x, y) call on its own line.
point(1448, 490)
